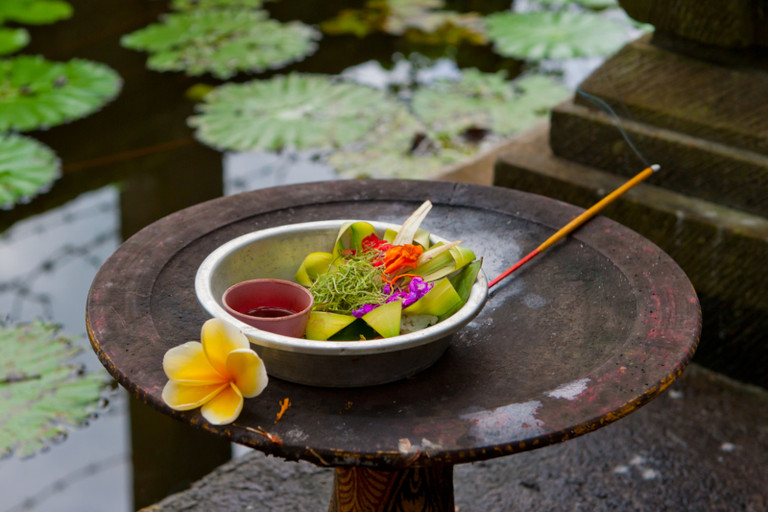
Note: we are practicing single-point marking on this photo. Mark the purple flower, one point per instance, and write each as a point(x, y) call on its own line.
point(416, 290)
point(359, 313)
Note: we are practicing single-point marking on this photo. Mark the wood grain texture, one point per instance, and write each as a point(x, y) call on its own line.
point(413, 490)
point(600, 325)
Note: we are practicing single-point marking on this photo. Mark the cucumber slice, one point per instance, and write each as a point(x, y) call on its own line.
point(314, 264)
point(441, 299)
point(322, 325)
point(385, 319)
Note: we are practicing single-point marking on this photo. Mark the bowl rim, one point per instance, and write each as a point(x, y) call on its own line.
point(475, 302)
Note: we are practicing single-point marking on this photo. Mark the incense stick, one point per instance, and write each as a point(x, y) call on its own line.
point(578, 221)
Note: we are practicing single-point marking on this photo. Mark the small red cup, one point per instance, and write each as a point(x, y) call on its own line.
point(274, 305)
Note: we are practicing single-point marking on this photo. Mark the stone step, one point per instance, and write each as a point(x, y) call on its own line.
point(723, 101)
point(699, 168)
point(722, 250)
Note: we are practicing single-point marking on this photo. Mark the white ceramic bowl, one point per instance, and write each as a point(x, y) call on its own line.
point(277, 253)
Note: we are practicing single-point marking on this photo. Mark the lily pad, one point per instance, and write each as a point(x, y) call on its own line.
point(41, 396)
point(37, 93)
point(12, 39)
point(399, 147)
point(222, 42)
point(27, 168)
point(191, 5)
point(420, 20)
point(541, 35)
point(589, 4)
point(296, 111)
point(487, 101)
point(34, 12)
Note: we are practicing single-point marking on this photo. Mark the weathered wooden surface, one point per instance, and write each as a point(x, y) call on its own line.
point(722, 250)
point(700, 447)
point(600, 325)
point(729, 23)
point(426, 489)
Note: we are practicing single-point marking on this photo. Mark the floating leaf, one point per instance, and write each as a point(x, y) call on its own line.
point(398, 148)
point(419, 20)
point(12, 39)
point(27, 167)
point(41, 397)
point(222, 42)
point(487, 101)
point(34, 12)
point(299, 111)
point(541, 35)
point(37, 93)
point(191, 5)
point(589, 4)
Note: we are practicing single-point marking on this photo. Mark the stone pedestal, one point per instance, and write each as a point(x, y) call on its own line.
point(701, 112)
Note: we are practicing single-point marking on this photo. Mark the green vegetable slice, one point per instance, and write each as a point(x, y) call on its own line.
point(351, 235)
point(314, 264)
point(462, 282)
point(385, 319)
point(27, 168)
point(445, 263)
point(322, 324)
point(36, 93)
point(438, 301)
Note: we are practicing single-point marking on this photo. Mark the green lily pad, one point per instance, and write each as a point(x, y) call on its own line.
point(541, 35)
point(27, 168)
point(191, 5)
point(487, 101)
point(420, 20)
point(41, 396)
point(399, 147)
point(222, 42)
point(34, 12)
point(298, 111)
point(589, 4)
point(12, 39)
point(37, 93)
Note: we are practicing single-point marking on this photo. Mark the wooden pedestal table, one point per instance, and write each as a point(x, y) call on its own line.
point(593, 329)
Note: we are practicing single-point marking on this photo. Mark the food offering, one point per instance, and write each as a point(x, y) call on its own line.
point(379, 285)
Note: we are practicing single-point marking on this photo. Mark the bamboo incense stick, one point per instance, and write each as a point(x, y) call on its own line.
point(578, 221)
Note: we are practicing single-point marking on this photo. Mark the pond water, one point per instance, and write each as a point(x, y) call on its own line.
point(123, 168)
point(47, 263)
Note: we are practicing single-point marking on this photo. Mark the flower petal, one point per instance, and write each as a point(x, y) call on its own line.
point(225, 407)
point(188, 362)
point(247, 372)
point(219, 339)
point(184, 396)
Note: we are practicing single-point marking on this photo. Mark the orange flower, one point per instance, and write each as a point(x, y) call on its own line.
point(401, 256)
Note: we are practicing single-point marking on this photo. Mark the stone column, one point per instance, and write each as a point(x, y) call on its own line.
point(692, 97)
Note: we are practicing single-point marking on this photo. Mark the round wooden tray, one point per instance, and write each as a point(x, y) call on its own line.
point(591, 330)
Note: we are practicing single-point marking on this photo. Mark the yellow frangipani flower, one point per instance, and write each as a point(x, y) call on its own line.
point(215, 374)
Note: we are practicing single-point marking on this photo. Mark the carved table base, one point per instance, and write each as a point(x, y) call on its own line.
point(428, 489)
